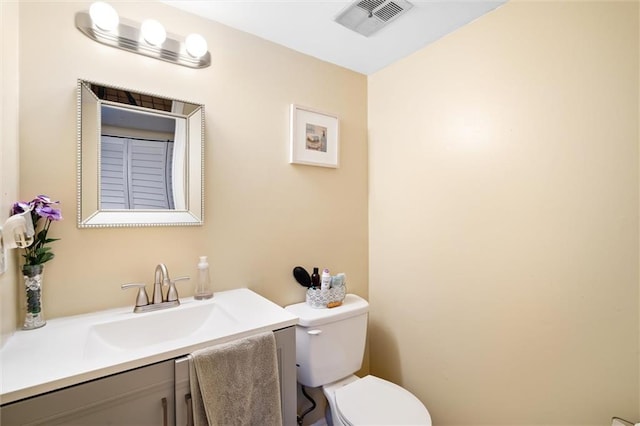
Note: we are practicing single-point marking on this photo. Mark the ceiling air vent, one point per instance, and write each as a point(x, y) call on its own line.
point(368, 16)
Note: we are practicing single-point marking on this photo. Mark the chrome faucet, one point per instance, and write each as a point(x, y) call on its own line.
point(159, 300)
point(161, 280)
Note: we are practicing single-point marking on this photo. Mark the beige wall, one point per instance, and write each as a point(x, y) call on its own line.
point(503, 196)
point(9, 167)
point(263, 216)
point(504, 218)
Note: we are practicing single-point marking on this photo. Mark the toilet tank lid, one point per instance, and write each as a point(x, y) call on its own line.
point(352, 305)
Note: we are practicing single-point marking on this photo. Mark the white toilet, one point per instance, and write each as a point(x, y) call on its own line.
point(329, 350)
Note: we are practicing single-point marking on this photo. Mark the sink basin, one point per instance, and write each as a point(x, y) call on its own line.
point(142, 330)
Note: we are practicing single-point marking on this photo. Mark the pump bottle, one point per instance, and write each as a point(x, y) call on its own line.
point(203, 285)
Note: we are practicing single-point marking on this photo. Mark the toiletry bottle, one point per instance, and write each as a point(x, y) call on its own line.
point(315, 279)
point(203, 285)
point(325, 280)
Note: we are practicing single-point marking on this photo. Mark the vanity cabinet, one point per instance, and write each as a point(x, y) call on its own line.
point(156, 394)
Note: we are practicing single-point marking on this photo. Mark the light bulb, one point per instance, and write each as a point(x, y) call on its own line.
point(104, 16)
point(196, 45)
point(153, 32)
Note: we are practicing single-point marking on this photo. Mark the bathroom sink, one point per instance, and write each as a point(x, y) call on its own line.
point(142, 330)
point(98, 344)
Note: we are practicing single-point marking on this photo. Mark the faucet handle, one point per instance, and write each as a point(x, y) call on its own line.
point(172, 293)
point(142, 299)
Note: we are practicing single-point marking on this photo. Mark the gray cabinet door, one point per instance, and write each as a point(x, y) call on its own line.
point(139, 397)
point(286, 347)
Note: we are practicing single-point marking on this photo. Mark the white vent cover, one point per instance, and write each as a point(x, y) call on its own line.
point(368, 16)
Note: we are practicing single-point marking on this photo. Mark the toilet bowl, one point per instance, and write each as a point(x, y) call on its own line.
point(329, 350)
point(373, 401)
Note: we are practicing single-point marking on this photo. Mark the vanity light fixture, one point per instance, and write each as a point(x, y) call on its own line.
point(102, 24)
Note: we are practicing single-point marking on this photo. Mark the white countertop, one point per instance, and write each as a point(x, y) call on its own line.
point(66, 351)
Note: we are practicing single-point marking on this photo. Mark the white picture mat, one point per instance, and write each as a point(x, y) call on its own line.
point(299, 154)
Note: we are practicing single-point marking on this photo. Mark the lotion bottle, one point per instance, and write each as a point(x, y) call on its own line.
point(203, 285)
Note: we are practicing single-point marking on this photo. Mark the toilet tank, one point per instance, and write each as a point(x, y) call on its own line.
point(330, 342)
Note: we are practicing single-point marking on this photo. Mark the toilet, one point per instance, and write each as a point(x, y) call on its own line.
point(329, 350)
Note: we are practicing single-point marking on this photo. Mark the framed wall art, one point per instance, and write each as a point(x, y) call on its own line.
point(314, 137)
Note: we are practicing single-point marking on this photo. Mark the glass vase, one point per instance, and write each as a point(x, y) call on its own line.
point(33, 286)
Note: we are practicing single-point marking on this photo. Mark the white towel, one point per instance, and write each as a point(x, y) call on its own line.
point(237, 383)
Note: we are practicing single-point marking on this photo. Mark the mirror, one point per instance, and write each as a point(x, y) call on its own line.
point(139, 158)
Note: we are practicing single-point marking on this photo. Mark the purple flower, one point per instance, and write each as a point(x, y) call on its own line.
point(20, 207)
point(43, 199)
point(49, 212)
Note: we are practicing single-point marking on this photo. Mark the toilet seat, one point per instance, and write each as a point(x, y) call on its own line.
point(374, 401)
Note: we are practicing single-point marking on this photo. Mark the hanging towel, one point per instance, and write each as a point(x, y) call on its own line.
point(236, 383)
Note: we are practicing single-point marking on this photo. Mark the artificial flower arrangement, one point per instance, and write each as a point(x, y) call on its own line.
point(36, 252)
point(42, 214)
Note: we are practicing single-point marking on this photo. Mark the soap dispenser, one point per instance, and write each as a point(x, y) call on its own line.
point(203, 285)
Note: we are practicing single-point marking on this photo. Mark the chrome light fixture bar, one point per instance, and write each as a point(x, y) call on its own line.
point(128, 35)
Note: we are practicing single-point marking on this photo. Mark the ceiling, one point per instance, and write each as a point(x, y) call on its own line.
point(308, 26)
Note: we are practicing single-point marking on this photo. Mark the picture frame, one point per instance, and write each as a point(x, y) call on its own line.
point(314, 137)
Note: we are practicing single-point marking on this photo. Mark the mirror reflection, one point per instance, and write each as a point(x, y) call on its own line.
point(140, 158)
point(137, 167)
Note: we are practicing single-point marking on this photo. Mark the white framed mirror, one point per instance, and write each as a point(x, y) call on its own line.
point(140, 158)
